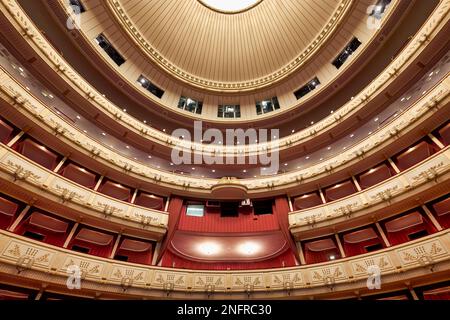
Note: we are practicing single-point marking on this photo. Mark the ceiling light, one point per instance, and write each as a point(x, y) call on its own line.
point(244, 171)
point(332, 257)
point(352, 135)
point(213, 170)
point(249, 248)
point(78, 117)
point(329, 148)
point(209, 248)
point(103, 134)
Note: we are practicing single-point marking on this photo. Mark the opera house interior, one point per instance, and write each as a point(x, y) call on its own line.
point(224, 150)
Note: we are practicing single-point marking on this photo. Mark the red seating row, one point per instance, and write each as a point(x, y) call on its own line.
point(375, 175)
point(398, 230)
point(49, 160)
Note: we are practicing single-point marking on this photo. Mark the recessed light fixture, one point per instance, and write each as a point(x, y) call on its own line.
point(209, 248)
point(332, 257)
point(307, 158)
point(329, 148)
point(78, 117)
point(213, 170)
point(352, 135)
point(103, 134)
point(249, 248)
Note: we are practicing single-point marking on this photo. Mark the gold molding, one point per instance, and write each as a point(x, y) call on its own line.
point(333, 23)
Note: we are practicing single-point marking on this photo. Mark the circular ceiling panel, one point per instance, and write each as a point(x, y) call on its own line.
point(230, 6)
point(196, 42)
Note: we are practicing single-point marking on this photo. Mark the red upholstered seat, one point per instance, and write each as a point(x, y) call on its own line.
point(38, 154)
point(149, 201)
point(441, 210)
point(320, 251)
point(7, 211)
point(445, 134)
point(135, 251)
point(115, 190)
point(374, 176)
point(79, 175)
point(93, 242)
point(414, 155)
point(307, 201)
point(340, 190)
point(40, 226)
point(356, 242)
point(5, 132)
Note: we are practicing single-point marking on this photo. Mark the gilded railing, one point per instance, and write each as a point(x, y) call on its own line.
point(396, 264)
point(30, 106)
point(428, 170)
point(22, 169)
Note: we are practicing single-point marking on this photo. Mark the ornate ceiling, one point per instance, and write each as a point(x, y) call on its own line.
point(229, 51)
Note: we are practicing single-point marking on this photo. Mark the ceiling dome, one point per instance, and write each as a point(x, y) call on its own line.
point(230, 6)
point(263, 43)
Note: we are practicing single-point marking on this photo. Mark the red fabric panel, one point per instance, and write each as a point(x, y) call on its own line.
point(213, 222)
point(54, 238)
point(171, 260)
point(402, 235)
point(437, 294)
point(441, 211)
point(12, 295)
point(141, 257)
point(445, 134)
point(79, 175)
point(149, 201)
point(94, 249)
point(374, 176)
point(115, 190)
point(175, 210)
point(312, 257)
point(353, 249)
point(38, 154)
point(414, 155)
point(307, 201)
point(5, 132)
point(340, 190)
point(8, 209)
point(281, 211)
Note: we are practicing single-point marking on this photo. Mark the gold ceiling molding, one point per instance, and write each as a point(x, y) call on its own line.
point(412, 260)
point(120, 14)
point(251, 6)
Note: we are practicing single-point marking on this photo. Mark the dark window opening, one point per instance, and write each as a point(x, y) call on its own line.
point(262, 207)
point(34, 235)
point(77, 6)
point(229, 209)
point(267, 105)
point(190, 105)
point(80, 249)
point(347, 52)
point(374, 247)
point(104, 43)
point(147, 84)
point(307, 88)
point(417, 235)
point(229, 111)
point(120, 257)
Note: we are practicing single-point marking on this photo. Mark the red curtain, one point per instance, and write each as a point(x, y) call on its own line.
point(213, 222)
point(172, 260)
point(353, 249)
point(281, 211)
point(95, 250)
point(54, 238)
point(402, 236)
point(175, 210)
point(137, 257)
